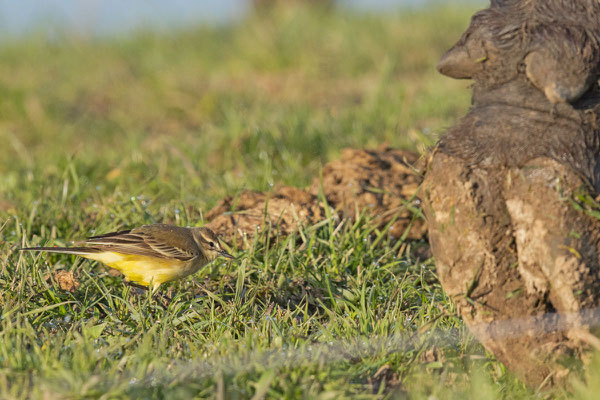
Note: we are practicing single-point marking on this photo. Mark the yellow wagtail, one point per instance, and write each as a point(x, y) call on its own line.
point(151, 254)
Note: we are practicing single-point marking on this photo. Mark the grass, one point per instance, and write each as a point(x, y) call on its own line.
point(104, 134)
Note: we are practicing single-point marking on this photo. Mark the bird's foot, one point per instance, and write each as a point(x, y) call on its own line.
point(163, 298)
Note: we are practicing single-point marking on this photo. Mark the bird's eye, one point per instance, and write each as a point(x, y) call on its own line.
point(211, 244)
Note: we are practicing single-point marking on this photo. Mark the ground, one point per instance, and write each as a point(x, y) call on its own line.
point(104, 134)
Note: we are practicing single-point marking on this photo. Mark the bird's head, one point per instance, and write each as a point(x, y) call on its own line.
point(209, 243)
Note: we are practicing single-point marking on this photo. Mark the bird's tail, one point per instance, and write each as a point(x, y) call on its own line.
point(80, 251)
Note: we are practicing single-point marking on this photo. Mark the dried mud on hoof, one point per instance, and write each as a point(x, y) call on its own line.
point(512, 251)
point(382, 183)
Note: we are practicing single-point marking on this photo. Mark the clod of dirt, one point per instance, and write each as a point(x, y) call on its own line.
point(381, 182)
point(66, 280)
point(281, 212)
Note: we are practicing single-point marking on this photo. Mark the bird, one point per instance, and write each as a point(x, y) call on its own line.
point(149, 255)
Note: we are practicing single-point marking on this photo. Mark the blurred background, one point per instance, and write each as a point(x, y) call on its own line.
point(184, 102)
point(101, 17)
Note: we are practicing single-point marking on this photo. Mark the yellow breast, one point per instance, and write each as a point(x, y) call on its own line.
point(144, 270)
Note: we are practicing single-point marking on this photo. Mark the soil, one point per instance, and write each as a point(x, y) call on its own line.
point(281, 212)
point(381, 183)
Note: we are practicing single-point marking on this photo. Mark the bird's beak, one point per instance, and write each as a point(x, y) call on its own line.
point(226, 254)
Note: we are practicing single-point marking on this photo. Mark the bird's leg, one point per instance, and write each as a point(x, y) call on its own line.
point(165, 300)
point(138, 289)
point(137, 286)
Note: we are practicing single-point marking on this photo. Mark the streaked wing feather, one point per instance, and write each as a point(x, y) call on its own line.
point(106, 235)
point(142, 242)
point(170, 250)
point(124, 239)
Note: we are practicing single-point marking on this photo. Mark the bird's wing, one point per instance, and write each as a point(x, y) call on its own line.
point(158, 240)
